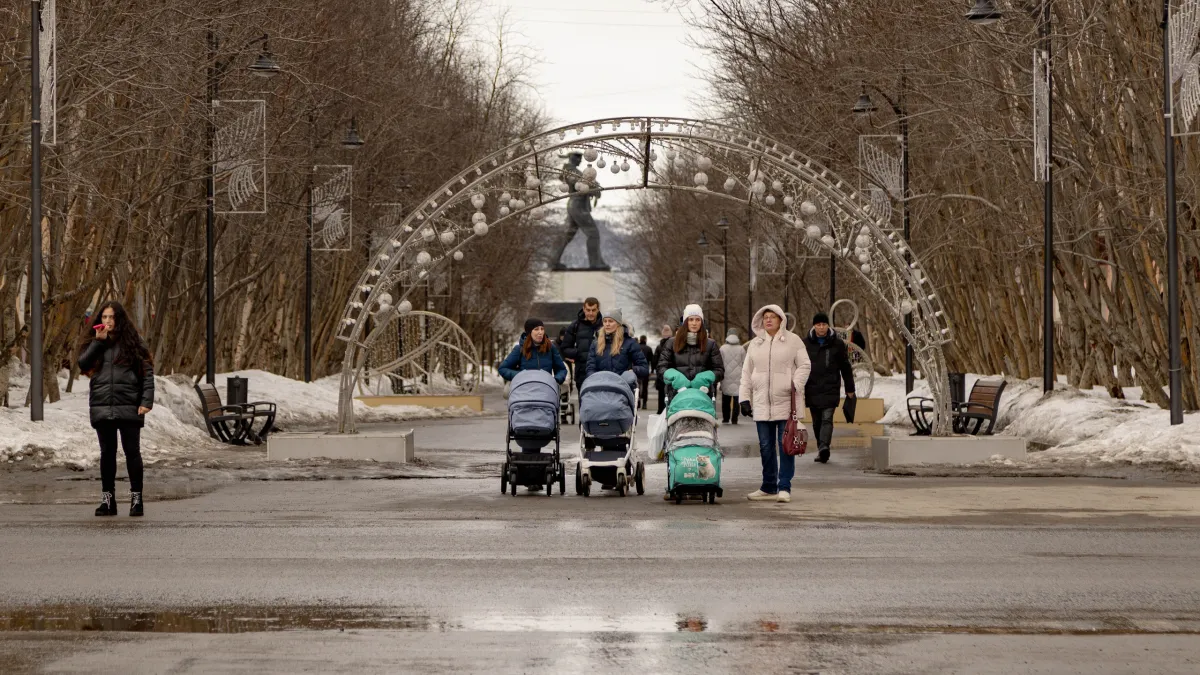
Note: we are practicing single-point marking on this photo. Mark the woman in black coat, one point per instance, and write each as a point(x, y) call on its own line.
point(121, 392)
point(692, 352)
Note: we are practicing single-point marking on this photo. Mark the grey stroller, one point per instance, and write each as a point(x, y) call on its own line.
point(533, 418)
point(607, 424)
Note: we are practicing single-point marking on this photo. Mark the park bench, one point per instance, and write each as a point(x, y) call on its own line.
point(234, 424)
point(969, 416)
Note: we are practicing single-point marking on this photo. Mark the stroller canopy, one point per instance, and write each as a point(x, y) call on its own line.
point(606, 396)
point(692, 401)
point(533, 401)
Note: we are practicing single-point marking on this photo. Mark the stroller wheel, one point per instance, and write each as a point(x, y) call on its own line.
point(513, 489)
point(562, 479)
point(639, 478)
point(578, 480)
point(678, 497)
point(621, 489)
point(503, 483)
point(587, 486)
point(549, 487)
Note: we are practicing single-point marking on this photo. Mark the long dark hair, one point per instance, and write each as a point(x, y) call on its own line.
point(681, 337)
point(130, 348)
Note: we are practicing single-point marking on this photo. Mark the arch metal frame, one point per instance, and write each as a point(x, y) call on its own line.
point(791, 189)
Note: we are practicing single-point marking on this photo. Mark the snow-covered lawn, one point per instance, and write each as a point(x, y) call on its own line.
point(1074, 426)
point(175, 426)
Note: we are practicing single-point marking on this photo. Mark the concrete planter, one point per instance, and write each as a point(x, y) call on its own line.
point(889, 451)
point(394, 446)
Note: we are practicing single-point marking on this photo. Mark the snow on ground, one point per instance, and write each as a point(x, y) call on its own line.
point(175, 427)
point(1074, 427)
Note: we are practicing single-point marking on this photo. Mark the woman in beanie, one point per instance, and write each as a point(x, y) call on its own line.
point(692, 352)
point(616, 351)
point(534, 352)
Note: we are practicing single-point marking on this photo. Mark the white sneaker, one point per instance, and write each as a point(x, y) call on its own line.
point(760, 496)
point(784, 496)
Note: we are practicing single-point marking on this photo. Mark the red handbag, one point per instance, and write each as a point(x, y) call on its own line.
point(795, 434)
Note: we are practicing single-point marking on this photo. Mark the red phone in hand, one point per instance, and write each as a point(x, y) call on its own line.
point(98, 326)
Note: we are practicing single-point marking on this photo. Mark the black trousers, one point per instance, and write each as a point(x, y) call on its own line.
point(729, 408)
point(662, 398)
point(822, 421)
point(643, 391)
point(131, 443)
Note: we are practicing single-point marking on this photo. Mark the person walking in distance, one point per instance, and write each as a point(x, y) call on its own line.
point(644, 382)
point(776, 364)
point(732, 354)
point(830, 369)
point(577, 341)
point(121, 392)
point(666, 336)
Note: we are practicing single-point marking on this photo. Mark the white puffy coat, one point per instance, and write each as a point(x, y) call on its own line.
point(772, 367)
point(732, 356)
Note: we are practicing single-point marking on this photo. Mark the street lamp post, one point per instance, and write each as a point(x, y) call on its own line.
point(865, 106)
point(1176, 358)
point(35, 215)
point(984, 13)
point(723, 225)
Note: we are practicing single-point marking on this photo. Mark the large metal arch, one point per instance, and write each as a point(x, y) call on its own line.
point(837, 219)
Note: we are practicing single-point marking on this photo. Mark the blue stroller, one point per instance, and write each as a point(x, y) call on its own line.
point(607, 425)
point(533, 419)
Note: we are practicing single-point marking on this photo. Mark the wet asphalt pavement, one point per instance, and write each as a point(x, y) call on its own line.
point(859, 574)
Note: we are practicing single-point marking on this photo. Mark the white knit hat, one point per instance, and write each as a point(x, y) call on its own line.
point(692, 310)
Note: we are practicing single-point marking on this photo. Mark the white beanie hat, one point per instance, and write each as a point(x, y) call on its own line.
point(692, 310)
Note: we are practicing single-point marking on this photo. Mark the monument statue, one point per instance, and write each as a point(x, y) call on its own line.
point(579, 216)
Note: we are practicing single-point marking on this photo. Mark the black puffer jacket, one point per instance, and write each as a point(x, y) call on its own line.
point(577, 342)
point(693, 360)
point(830, 368)
point(116, 389)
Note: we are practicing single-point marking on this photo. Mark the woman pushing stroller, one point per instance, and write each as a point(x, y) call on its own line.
point(616, 351)
point(534, 352)
point(692, 352)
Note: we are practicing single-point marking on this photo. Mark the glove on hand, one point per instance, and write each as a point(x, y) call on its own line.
point(747, 411)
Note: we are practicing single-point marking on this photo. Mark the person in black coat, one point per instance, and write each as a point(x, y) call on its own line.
point(644, 382)
point(830, 370)
point(577, 341)
point(664, 343)
point(121, 392)
point(692, 352)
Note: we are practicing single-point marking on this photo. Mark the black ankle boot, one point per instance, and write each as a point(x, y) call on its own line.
point(135, 505)
point(108, 507)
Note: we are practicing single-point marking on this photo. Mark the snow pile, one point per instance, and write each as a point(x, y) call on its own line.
point(175, 427)
point(1079, 427)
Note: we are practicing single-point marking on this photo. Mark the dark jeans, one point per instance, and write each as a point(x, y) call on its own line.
point(643, 391)
point(131, 443)
point(729, 408)
point(662, 398)
point(778, 467)
point(822, 421)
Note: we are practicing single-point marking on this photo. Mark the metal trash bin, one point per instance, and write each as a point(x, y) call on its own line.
point(958, 388)
point(236, 390)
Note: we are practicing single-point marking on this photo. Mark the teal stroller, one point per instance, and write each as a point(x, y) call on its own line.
point(693, 453)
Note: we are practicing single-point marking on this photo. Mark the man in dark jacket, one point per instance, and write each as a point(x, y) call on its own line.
point(577, 342)
point(644, 383)
point(830, 369)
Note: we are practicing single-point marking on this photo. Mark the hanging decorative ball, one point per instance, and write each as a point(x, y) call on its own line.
point(828, 241)
point(703, 192)
point(770, 200)
point(447, 238)
point(478, 217)
point(671, 155)
point(504, 211)
point(808, 208)
point(385, 299)
point(758, 187)
point(481, 229)
point(730, 184)
point(590, 154)
point(458, 256)
point(600, 163)
point(680, 163)
point(813, 232)
point(589, 174)
point(408, 229)
point(423, 258)
point(533, 182)
point(404, 307)
point(788, 201)
point(777, 186)
point(615, 168)
point(531, 195)
point(866, 269)
point(537, 213)
point(427, 233)
point(863, 257)
point(653, 155)
point(518, 204)
point(906, 307)
point(504, 197)
point(862, 241)
point(512, 203)
point(703, 163)
point(478, 200)
point(625, 165)
point(582, 186)
point(700, 178)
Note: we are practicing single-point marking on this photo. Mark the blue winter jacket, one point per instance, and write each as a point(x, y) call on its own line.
point(551, 362)
point(629, 358)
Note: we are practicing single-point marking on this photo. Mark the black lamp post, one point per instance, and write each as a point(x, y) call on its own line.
point(35, 215)
point(723, 225)
point(865, 106)
point(1176, 358)
point(263, 66)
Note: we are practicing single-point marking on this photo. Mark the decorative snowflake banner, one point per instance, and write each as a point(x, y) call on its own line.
point(714, 277)
point(240, 156)
point(48, 55)
point(472, 294)
point(1185, 67)
point(1041, 116)
point(770, 262)
point(332, 222)
point(880, 163)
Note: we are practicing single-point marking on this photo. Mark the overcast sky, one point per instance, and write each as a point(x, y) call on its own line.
point(606, 58)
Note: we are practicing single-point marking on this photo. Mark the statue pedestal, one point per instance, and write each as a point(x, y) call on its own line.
point(561, 295)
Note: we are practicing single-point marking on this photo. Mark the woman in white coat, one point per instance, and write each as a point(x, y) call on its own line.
point(776, 364)
point(732, 355)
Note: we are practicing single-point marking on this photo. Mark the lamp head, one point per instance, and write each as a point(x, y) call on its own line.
point(984, 13)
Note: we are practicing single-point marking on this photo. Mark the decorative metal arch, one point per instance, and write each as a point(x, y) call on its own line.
point(426, 349)
point(515, 183)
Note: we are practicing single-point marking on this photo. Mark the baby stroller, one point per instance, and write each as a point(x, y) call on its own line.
point(693, 453)
point(533, 424)
point(607, 424)
point(567, 410)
